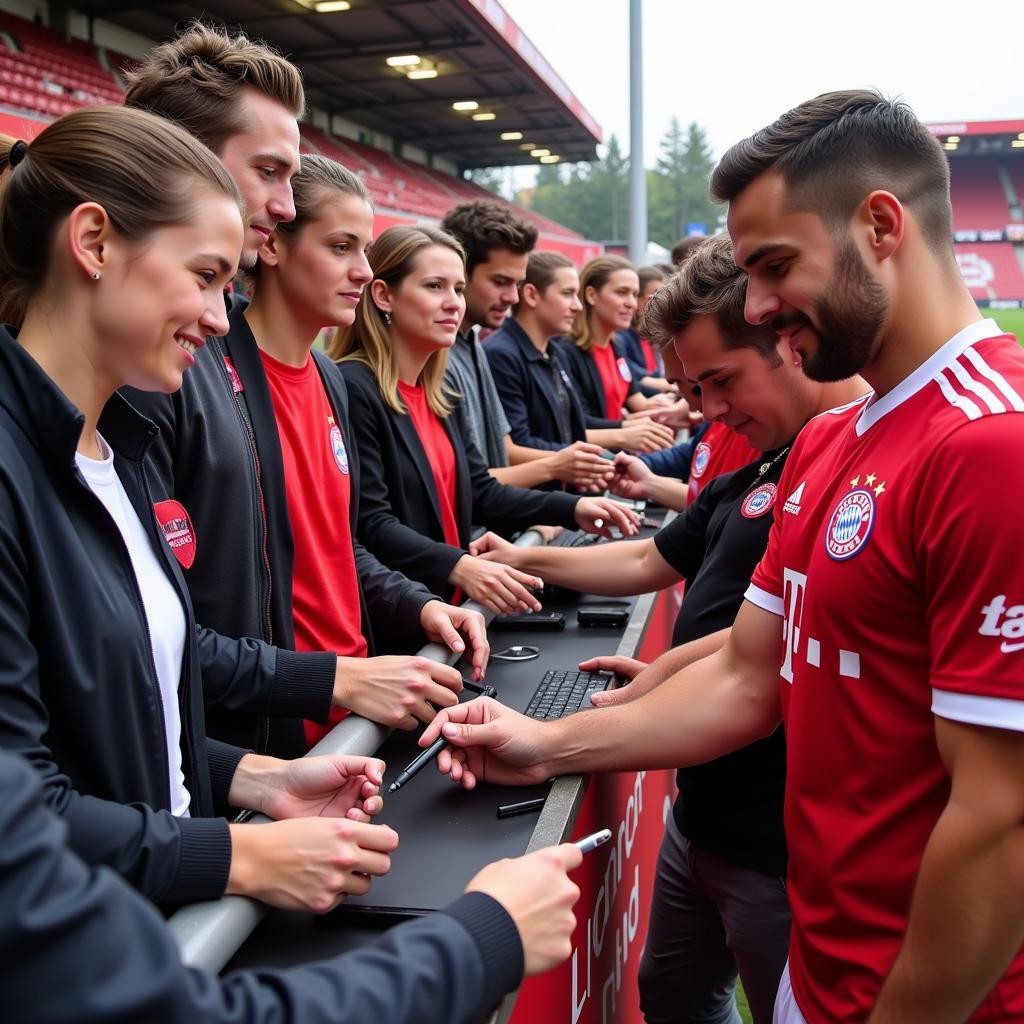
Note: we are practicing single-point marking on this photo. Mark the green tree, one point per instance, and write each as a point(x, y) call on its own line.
point(592, 198)
point(490, 178)
point(678, 185)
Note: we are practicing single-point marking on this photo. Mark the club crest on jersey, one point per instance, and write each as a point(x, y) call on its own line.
point(338, 447)
point(701, 458)
point(178, 531)
point(850, 525)
point(758, 501)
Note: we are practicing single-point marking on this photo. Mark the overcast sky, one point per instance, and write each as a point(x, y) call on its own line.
point(735, 65)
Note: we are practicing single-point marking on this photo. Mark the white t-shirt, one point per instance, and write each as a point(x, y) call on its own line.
point(164, 612)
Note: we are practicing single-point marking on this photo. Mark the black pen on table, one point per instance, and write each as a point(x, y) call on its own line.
point(420, 761)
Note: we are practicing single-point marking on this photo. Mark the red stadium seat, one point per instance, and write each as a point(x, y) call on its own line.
point(991, 270)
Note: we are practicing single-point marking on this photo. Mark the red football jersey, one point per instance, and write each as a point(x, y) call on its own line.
point(326, 608)
point(720, 450)
point(895, 561)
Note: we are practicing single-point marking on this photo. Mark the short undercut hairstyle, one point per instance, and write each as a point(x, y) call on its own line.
point(834, 150)
point(481, 226)
point(708, 284)
point(197, 80)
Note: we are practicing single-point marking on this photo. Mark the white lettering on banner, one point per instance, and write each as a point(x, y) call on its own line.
point(597, 924)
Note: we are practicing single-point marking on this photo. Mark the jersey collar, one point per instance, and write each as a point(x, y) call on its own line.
point(909, 386)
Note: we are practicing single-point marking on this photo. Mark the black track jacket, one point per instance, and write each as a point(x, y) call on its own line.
point(219, 455)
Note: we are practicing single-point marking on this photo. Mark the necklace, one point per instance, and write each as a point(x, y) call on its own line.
point(765, 466)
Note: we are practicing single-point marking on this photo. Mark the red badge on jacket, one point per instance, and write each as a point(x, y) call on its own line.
point(178, 531)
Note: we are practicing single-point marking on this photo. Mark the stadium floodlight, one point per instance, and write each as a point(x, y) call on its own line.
point(540, 152)
point(551, 158)
point(484, 115)
point(330, 6)
point(528, 145)
point(511, 136)
point(1017, 144)
point(952, 138)
point(420, 73)
point(466, 105)
point(403, 61)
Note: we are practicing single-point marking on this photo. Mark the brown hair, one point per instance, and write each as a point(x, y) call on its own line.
point(480, 226)
point(835, 149)
point(540, 272)
point(318, 178)
point(196, 80)
point(141, 169)
point(368, 339)
point(649, 274)
point(708, 284)
point(6, 142)
point(594, 275)
point(684, 247)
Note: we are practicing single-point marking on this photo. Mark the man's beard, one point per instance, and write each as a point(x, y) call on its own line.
point(850, 313)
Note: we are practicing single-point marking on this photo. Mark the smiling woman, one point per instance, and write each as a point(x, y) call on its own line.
point(118, 234)
point(424, 480)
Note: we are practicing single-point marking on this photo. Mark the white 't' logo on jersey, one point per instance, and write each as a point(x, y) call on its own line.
point(1011, 627)
point(793, 586)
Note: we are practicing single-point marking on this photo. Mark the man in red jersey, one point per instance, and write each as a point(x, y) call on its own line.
point(720, 450)
point(893, 565)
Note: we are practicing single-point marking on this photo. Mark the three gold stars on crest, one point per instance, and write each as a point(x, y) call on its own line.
point(869, 481)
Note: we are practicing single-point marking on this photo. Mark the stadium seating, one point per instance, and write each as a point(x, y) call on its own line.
point(42, 73)
point(1015, 168)
point(44, 76)
point(991, 270)
point(979, 203)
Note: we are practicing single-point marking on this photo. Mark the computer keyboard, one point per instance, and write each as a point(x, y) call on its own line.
point(574, 539)
point(564, 693)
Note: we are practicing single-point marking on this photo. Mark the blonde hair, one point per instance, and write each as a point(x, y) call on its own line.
point(594, 275)
point(141, 169)
point(197, 78)
point(368, 339)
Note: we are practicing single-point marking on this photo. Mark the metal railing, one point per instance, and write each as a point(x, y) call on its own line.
point(209, 933)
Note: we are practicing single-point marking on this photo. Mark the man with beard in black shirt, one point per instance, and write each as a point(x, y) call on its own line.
point(719, 902)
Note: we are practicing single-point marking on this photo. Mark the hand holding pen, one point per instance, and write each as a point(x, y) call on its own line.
point(418, 763)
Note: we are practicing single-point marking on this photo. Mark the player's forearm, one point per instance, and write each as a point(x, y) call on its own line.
point(665, 491)
point(965, 922)
point(615, 570)
point(677, 658)
point(715, 706)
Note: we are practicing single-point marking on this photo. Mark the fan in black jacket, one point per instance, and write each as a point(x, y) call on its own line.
point(223, 453)
point(116, 960)
point(101, 661)
point(424, 484)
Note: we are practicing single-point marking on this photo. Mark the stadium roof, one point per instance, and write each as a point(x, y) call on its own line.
point(980, 138)
point(478, 51)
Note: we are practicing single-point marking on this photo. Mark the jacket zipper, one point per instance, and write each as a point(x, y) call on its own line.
point(260, 508)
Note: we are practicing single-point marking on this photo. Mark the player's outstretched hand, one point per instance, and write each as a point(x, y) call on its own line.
point(489, 742)
point(639, 680)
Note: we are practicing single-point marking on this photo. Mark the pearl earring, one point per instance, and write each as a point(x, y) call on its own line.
point(95, 275)
point(387, 317)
